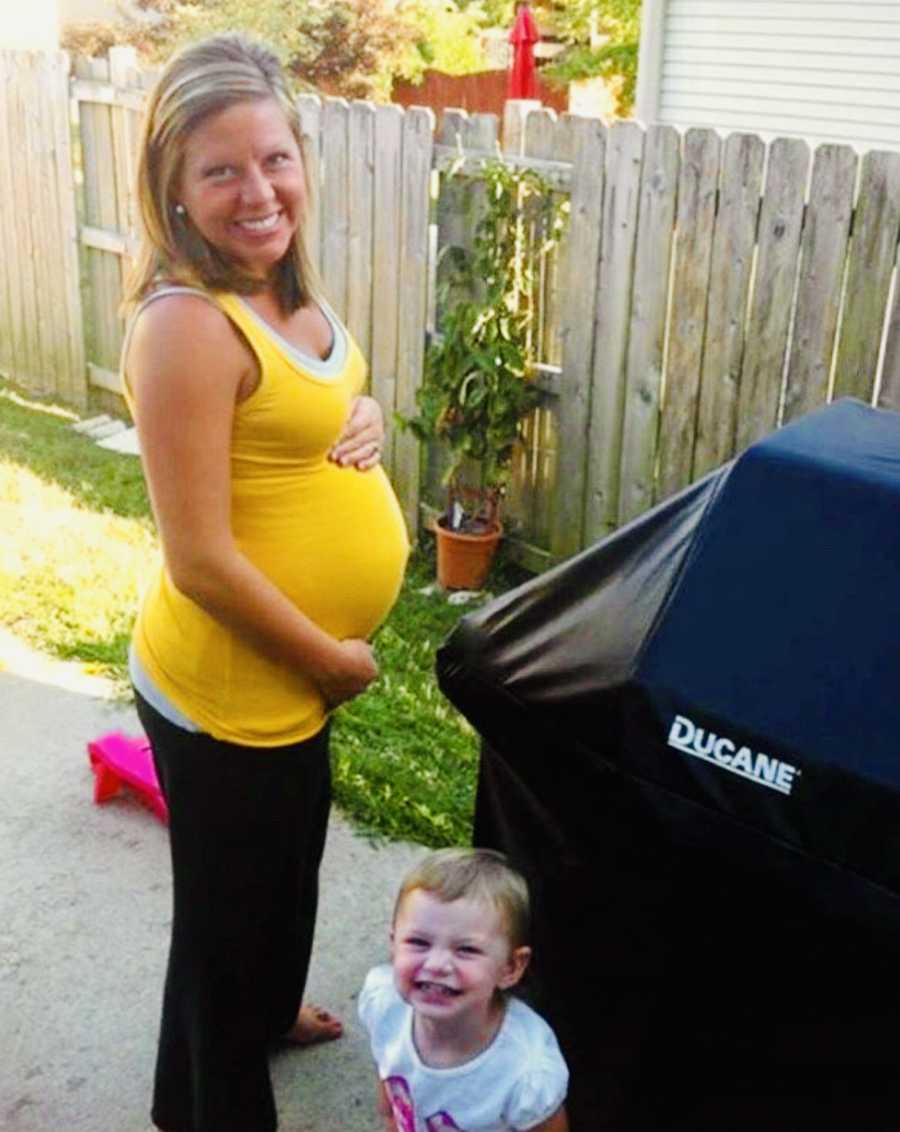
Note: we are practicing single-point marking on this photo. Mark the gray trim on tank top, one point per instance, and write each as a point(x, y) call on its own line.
point(319, 367)
point(154, 697)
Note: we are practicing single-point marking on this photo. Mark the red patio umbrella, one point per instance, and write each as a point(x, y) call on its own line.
point(523, 37)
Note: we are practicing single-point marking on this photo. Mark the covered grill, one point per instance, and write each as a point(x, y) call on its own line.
point(692, 749)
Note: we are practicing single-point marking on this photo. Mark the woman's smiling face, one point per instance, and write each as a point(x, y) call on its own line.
point(242, 185)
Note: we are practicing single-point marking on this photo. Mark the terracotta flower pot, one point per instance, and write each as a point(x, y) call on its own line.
point(464, 560)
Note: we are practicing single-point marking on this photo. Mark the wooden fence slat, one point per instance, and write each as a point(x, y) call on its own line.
point(64, 378)
point(386, 297)
point(122, 68)
point(17, 283)
point(52, 376)
point(418, 140)
point(889, 391)
point(649, 307)
point(589, 149)
point(696, 215)
point(61, 378)
point(557, 264)
point(624, 159)
point(10, 293)
point(730, 272)
point(6, 319)
point(552, 138)
point(101, 211)
point(361, 167)
point(29, 218)
point(19, 127)
point(335, 202)
point(826, 230)
point(309, 109)
point(108, 266)
point(778, 241)
point(512, 131)
point(530, 491)
point(68, 227)
point(456, 214)
point(872, 252)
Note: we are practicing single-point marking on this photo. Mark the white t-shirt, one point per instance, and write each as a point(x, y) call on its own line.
point(517, 1082)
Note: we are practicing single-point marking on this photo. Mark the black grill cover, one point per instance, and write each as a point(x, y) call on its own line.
point(692, 750)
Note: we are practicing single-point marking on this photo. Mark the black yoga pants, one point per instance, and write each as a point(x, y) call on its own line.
point(247, 830)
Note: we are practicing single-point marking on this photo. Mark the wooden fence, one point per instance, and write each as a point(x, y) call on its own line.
point(109, 96)
point(41, 344)
point(708, 289)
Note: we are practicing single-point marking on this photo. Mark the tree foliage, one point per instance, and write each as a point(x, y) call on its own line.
point(615, 28)
point(448, 38)
point(353, 48)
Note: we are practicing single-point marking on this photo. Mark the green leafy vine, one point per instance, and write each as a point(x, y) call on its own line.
point(478, 382)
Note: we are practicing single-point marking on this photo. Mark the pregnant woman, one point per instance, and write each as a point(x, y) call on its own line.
point(283, 548)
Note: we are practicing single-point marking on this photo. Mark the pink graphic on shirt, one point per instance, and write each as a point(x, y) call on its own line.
point(401, 1103)
point(441, 1122)
point(404, 1110)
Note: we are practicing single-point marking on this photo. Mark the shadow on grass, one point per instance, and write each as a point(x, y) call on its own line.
point(46, 444)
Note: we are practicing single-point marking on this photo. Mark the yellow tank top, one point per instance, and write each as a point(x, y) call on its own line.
point(332, 539)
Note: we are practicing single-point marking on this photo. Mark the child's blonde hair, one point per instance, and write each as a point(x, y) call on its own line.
point(474, 874)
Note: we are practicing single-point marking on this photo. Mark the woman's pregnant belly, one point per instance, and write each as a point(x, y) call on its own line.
point(332, 539)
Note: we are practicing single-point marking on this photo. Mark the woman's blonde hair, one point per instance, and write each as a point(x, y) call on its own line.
point(474, 874)
point(198, 82)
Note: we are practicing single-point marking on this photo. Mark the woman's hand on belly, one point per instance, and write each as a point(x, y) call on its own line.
point(354, 672)
point(360, 444)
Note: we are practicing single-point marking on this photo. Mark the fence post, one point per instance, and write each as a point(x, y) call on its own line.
point(309, 108)
point(730, 277)
point(335, 211)
point(694, 223)
point(778, 245)
point(418, 144)
point(579, 303)
point(360, 236)
point(872, 253)
point(612, 316)
point(515, 115)
point(826, 231)
point(69, 265)
point(387, 299)
point(647, 328)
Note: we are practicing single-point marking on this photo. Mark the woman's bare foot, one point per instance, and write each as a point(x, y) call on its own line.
point(314, 1024)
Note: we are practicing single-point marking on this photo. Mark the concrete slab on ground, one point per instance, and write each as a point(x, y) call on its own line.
point(84, 922)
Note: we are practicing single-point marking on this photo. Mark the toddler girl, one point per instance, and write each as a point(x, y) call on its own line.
point(454, 1049)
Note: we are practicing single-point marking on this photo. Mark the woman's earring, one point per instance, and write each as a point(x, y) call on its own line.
point(179, 209)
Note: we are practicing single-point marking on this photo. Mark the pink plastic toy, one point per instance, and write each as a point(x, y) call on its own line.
point(115, 758)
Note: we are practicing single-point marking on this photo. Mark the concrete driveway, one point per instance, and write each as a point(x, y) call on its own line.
point(84, 919)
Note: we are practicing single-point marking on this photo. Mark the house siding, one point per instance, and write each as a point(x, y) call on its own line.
point(826, 70)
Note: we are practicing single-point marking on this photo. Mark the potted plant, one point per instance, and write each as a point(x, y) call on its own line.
point(477, 385)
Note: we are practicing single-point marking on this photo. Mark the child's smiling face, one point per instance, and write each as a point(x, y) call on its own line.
point(450, 958)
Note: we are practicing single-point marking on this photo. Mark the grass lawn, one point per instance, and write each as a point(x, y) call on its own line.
point(77, 543)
